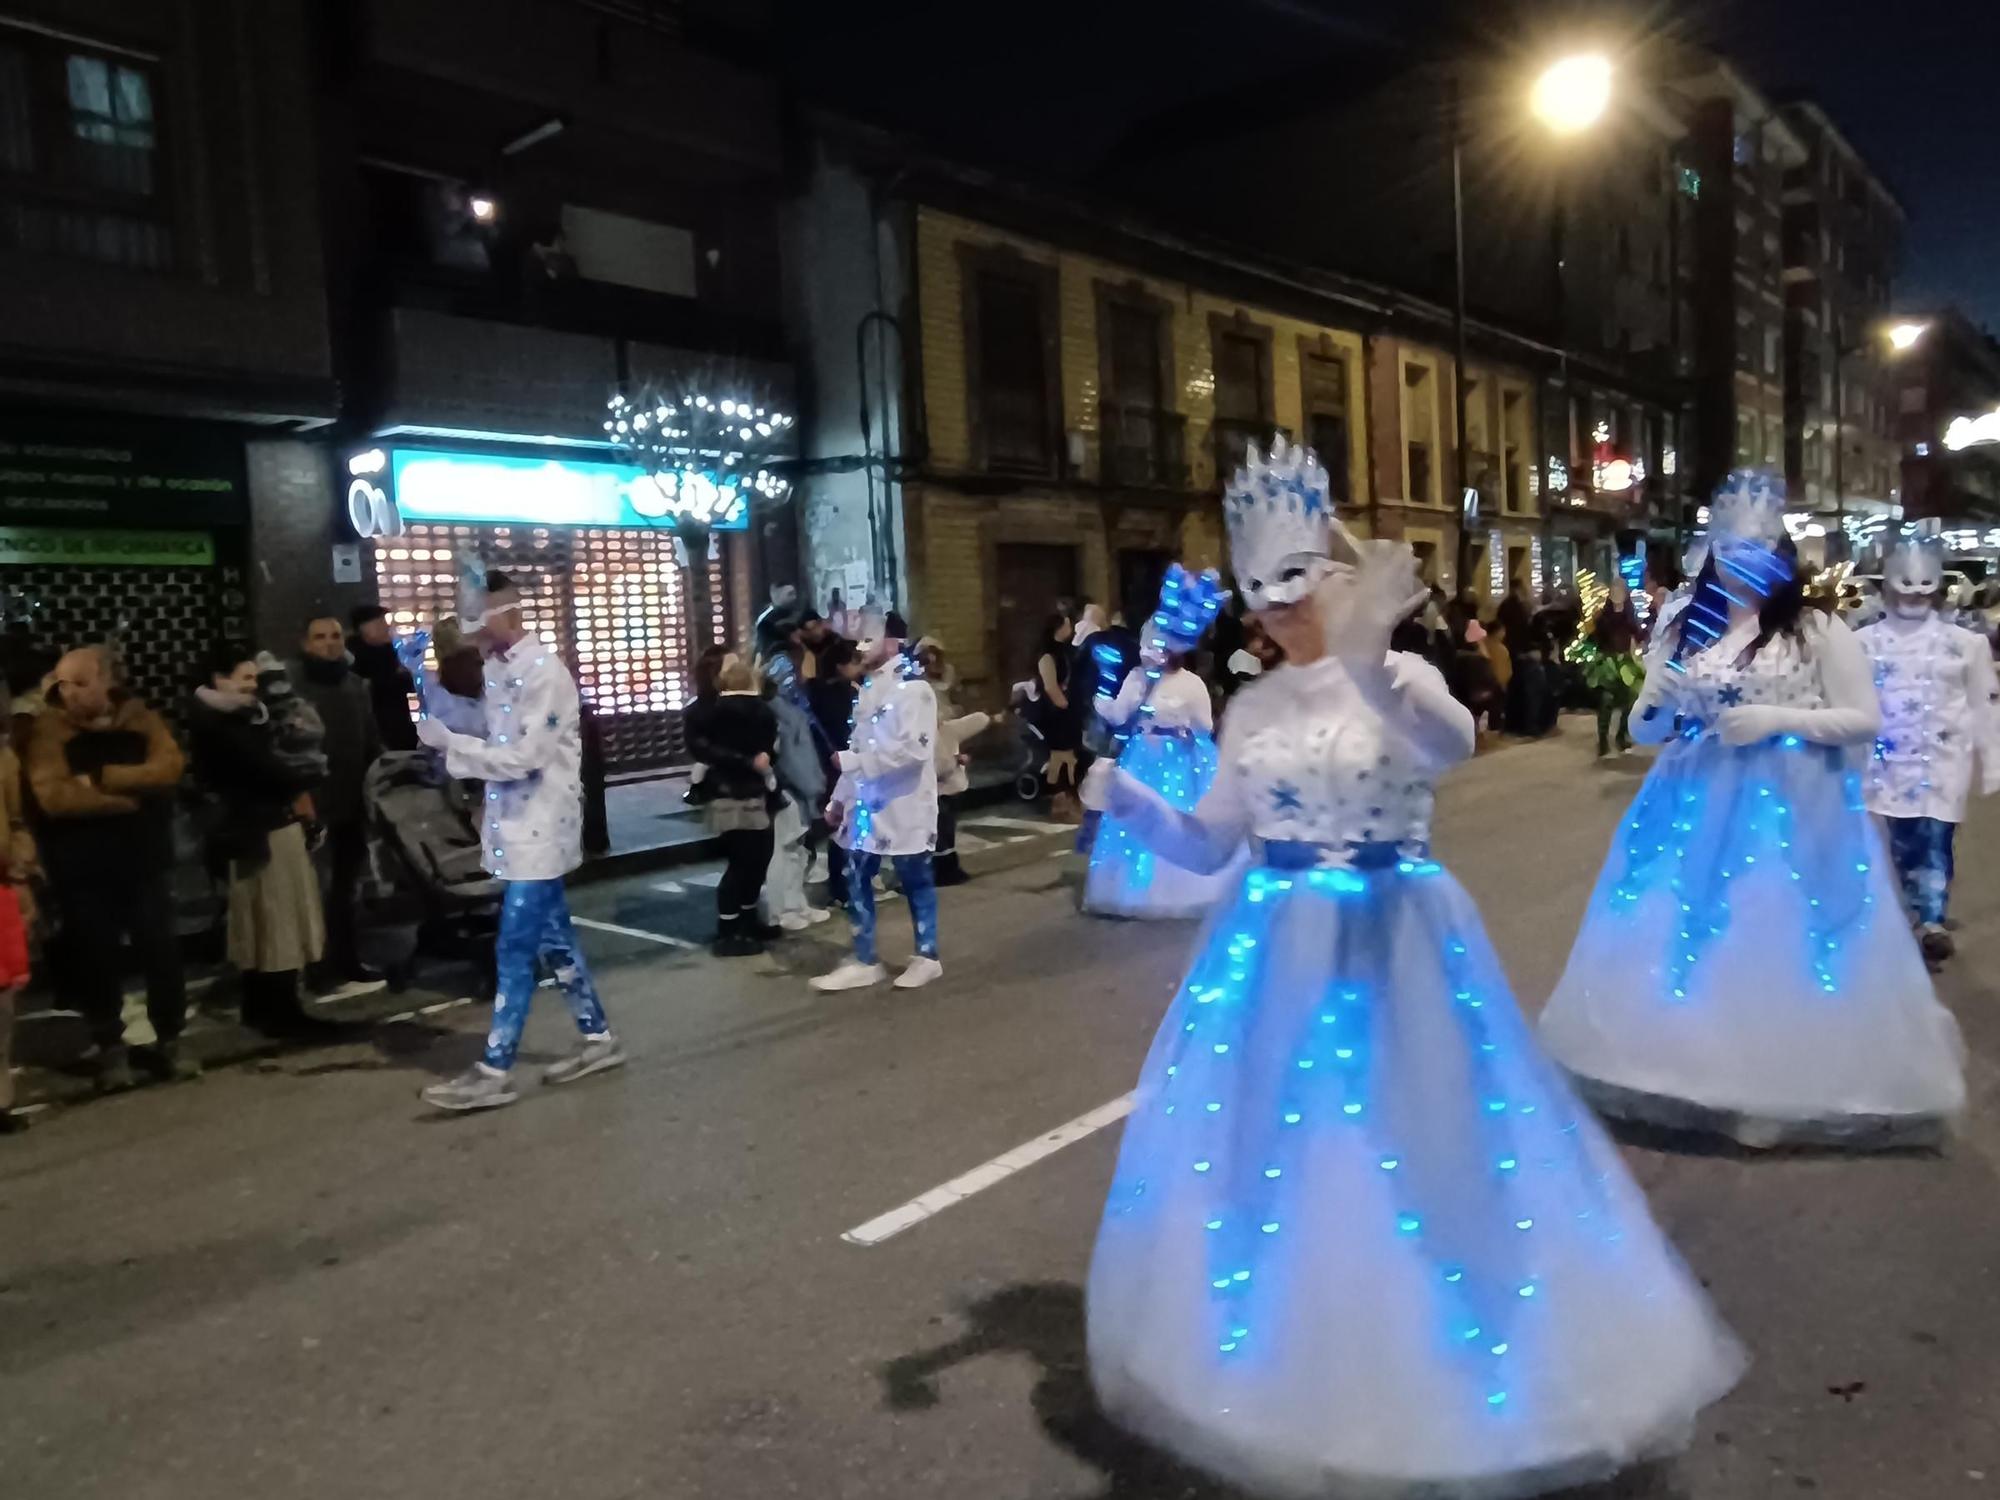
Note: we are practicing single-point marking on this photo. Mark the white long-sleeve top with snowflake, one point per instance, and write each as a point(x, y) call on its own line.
point(531, 759)
point(888, 776)
point(1180, 702)
point(1937, 686)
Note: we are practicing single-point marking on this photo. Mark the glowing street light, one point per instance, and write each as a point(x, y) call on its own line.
point(484, 209)
point(1904, 336)
point(1573, 93)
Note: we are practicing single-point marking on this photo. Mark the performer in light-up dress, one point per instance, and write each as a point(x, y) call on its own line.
point(1742, 967)
point(1163, 714)
point(1362, 1238)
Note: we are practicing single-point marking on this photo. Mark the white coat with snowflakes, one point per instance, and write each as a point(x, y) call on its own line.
point(887, 793)
point(1937, 685)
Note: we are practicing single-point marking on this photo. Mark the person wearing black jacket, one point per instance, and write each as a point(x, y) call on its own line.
point(733, 734)
point(389, 682)
point(831, 694)
point(325, 679)
point(256, 843)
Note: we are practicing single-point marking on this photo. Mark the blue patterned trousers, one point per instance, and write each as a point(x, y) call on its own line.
point(1922, 849)
point(913, 872)
point(535, 932)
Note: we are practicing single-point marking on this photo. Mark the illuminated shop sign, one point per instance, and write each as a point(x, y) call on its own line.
point(502, 489)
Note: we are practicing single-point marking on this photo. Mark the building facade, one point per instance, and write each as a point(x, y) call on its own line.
point(164, 354)
point(1946, 400)
point(1048, 402)
point(1843, 239)
point(537, 204)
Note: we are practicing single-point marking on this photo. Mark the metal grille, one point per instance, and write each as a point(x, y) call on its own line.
point(614, 603)
point(160, 620)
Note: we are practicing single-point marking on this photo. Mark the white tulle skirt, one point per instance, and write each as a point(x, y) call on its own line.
point(1363, 1240)
point(1744, 966)
point(1126, 879)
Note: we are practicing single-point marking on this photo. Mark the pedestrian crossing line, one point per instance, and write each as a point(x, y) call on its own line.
point(636, 932)
point(945, 1195)
point(1027, 825)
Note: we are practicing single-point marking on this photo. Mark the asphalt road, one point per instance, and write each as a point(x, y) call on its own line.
point(288, 1280)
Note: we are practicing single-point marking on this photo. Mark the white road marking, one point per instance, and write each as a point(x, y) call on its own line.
point(938, 1199)
point(403, 1016)
point(669, 887)
point(972, 843)
point(1030, 825)
point(635, 932)
point(709, 878)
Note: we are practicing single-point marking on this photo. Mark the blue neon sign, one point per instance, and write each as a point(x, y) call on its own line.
point(504, 489)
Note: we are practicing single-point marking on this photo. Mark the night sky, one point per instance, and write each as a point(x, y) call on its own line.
point(1050, 86)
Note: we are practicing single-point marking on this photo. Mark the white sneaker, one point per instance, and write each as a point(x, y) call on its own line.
point(852, 975)
point(597, 1054)
point(814, 915)
point(478, 1087)
point(921, 972)
point(794, 921)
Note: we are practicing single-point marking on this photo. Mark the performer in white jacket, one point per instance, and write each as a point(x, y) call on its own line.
point(885, 806)
point(1739, 969)
point(1362, 1238)
point(1937, 688)
point(530, 760)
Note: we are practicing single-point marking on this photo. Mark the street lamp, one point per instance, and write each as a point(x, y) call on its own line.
point(1570, 95)
point(1904, 336)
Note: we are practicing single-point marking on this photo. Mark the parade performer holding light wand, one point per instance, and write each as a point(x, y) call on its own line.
point(1740, 969)
point(1362, 1238)
point(1165, 730)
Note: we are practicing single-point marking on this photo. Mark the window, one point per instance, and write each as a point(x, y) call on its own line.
point(1241, 354)
point(1774, 440)
point(1746, 151)
point(80, 159)
point(629, 252)
point(1324, 391)
point(1008, 304)
point(1772, 341)
point(1420, 433)
point(1746, 438)
point(1142, 437)
point(1516, 449)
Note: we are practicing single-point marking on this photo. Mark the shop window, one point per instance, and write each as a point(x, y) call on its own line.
point(80, 154)
point(1010, 363)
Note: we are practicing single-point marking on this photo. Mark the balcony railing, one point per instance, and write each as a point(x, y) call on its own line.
point(1143, 446)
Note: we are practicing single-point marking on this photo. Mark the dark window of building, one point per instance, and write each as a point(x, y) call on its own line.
point(1242, 395)
point(1323, 383)
point(80, 154)
point(1012, 373)
point(1143, 440)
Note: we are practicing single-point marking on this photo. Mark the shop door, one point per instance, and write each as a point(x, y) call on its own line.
point(159, 620)
point(613, 601)
point(1033, 578)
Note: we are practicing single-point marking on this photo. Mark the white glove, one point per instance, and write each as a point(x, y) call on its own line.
point(1365, 600)
point(1106, 789)
point(433, 733)
point(1750, 723)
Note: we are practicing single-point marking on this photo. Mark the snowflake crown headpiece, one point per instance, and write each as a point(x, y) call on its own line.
point(1748, 506)
point(1280, 515)
point(1915, 566)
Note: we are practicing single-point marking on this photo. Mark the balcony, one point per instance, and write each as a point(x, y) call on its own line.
point(1143, 446)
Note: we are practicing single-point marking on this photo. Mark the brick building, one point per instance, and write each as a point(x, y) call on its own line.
point(1047, 400)
point(1945, 395)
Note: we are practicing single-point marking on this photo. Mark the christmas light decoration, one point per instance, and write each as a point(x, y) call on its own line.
point(708, 459)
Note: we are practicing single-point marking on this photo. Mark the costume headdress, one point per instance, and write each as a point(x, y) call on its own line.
point(1280, 515)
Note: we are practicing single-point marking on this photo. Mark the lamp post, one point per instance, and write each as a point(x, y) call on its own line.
point(1902, 337)
point(1569, 96)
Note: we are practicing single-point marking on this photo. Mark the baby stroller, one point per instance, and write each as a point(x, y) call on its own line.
point(1026, 704)
point(425, 858)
